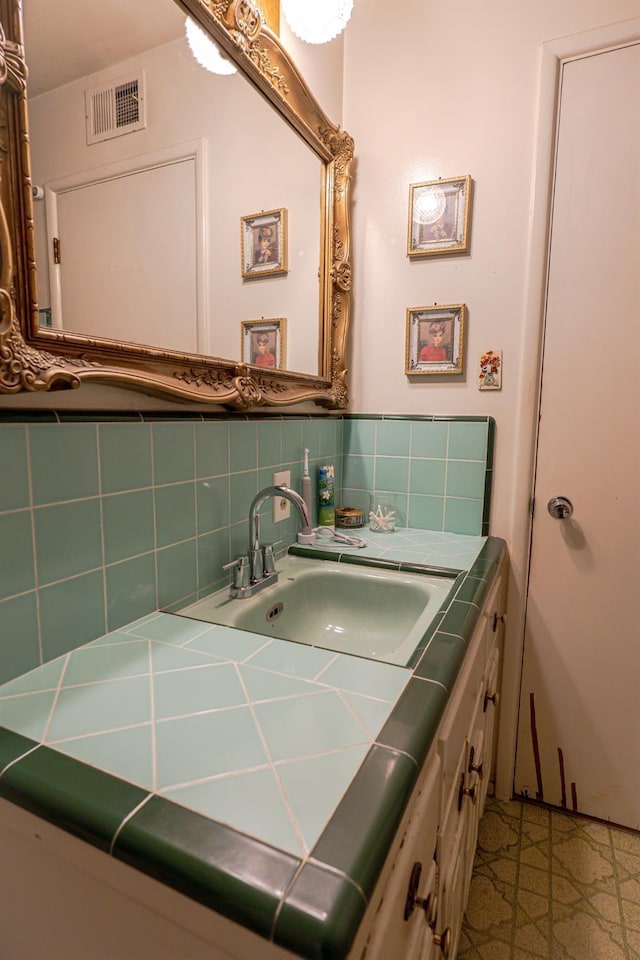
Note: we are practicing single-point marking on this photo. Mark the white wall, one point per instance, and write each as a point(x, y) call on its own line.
point(440, 90)
point(448, 89)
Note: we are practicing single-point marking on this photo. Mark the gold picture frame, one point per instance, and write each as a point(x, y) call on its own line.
point(263, 342)
point(435, 340)
point(439, 217)
point(264, 244)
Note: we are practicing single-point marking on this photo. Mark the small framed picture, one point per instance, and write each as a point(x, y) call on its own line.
point(263, 342)
point(435, 339)
point(490, 370)
point(439, 212)
point(264, 243)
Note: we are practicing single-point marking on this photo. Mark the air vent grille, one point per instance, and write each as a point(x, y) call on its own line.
point(115, 108)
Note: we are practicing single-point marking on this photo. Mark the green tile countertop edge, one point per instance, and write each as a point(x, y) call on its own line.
point(312, 907)
point(344, 556)
point(240, 877)
point(75, 796)
point(13, 746)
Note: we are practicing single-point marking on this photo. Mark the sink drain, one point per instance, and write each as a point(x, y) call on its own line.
point(274, 612)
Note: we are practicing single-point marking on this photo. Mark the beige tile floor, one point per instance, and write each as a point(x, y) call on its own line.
point(549, 886)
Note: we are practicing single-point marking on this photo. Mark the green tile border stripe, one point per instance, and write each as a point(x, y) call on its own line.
point(357, 838)
point(320, 916)
point(28, 415)
point(12, 747)
point(414, 720)
point(442, 657)
point(458, 418)
point(79, 798)
point(402, 566)
point(241, 878)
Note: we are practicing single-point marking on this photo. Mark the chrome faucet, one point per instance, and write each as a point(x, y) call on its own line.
point(257, 570)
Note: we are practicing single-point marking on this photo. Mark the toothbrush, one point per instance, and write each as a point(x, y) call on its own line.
point(306, 481)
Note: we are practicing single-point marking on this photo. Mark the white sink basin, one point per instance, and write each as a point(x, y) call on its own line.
point(367, 611)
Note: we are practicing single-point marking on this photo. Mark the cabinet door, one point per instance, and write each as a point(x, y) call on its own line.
point(452, 890)
point(430, 949)
point(494, 612)
point(467, 783)
point(490, 713)
point(400, 929)
point(459, 717)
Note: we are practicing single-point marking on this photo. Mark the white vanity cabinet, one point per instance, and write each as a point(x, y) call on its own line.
point(96, 905)
point(434, 861)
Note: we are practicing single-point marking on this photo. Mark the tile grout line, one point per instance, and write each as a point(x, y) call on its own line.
point(54, 703)
point(103, 548)
point(152, 698)
point(34, 545)
point(297, 831)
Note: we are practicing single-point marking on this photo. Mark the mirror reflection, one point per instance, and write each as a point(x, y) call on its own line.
point(174, 208)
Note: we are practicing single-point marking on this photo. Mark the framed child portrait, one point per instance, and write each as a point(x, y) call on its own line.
point(439, 213)
point(263, 342)
point(435, 340)
point(264, 243)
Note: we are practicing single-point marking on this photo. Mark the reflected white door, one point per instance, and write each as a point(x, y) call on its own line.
point(579, 726)
point(129, 257)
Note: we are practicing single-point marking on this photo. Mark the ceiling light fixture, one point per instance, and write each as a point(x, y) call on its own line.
point(317, 22)
point(205, 51)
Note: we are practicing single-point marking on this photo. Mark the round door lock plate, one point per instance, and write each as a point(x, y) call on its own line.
point(560, 508)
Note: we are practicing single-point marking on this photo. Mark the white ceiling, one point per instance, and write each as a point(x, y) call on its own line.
point(68, 39)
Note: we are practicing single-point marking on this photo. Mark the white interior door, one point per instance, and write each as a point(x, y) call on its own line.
point(579, 725)
point(128, 267)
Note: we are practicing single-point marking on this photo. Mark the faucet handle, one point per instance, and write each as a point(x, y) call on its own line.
point(240, 572)
point(268, 559)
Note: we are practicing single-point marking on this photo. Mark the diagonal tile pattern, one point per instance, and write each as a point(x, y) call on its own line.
point(551, 886)
point(208, 717)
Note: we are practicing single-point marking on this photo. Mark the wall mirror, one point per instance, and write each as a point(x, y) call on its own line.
point(163, 227)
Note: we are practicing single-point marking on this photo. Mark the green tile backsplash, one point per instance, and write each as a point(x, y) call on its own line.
point(64, 464)
point(440, 468)
point(125, 456)
point(106, 517)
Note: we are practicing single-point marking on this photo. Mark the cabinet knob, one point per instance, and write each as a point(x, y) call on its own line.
point(413, 900)
point(465, 792)
point(444, 940)
point(490, 698)
point(471, 792)
point(498, 618)
point(475, 767)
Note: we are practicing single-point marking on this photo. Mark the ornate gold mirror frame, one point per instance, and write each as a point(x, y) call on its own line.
point(32, 359)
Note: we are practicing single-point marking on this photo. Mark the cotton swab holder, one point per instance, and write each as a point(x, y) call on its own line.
point(383, 513)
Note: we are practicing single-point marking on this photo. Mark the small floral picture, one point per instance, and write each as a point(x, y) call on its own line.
point(490, 372)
